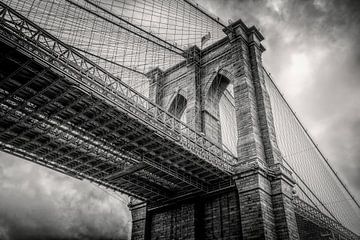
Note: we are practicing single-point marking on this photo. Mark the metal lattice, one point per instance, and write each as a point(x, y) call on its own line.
point(94, 107)
point(93, 133)
point(127, 38)
point(317, 183)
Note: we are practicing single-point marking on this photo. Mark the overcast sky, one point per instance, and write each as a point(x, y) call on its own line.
point(313, 55)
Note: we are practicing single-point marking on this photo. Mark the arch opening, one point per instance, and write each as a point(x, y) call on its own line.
point(220, 105)
point(178, 107)
point(228, 120)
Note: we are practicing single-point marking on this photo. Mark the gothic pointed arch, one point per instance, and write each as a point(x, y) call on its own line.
point(219, 110)
point(217, 87)
point(225, 73)
point(177, 106)
point(213, 92)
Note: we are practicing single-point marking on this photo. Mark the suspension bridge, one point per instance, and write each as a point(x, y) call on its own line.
point(165, 102)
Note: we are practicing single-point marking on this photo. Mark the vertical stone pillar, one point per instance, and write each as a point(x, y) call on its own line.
point(139, 221)
point(282, 186)
point(155, 77)
point(193, 110)
point(257, 218)
point(264, 185)
point(174, 222)
point(282, 182)
point(254, 188)
point(266, 122)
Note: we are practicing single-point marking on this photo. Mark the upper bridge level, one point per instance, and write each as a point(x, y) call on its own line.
point(62, 110)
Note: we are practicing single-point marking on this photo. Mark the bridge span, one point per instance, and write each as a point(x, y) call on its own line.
point(62, 109)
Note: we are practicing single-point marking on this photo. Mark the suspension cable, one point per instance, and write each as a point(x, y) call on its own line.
point(315, 145)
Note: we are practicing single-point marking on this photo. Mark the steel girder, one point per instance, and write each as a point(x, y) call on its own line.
point(304, 209)
point(97, 145)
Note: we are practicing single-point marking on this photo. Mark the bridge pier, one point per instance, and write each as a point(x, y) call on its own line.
point(282, 185)
point(259, 205)
point(264, 184)
point(266, 207)
point(61, 110)
point(256, 208)
point(211, 216)
point(192, 193)
point(139, 220)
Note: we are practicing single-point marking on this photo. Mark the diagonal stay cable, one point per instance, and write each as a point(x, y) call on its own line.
point(315, 145)
point(203, 11)
point(309, 189)
point(112, 62)
point(171, 48)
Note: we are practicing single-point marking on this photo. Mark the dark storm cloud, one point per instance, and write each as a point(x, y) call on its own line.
point(313, 54)
point(37, 203)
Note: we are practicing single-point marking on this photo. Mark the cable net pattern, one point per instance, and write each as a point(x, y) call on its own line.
point(126, 38)
point(130, 38)
point(317, 183)
point(228, 120)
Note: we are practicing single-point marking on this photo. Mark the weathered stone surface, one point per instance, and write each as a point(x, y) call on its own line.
point(139, 218)
point(177, 222)
point(211, 217)
point(259, 206)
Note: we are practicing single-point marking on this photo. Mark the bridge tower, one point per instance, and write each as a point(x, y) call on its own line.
point(62, 110)
point(259, 203)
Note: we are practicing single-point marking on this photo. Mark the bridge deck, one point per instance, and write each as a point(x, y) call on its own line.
point(54, 113)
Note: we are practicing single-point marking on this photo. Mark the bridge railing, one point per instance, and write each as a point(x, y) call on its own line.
point(66, 60)
point(317, 183)
point(309, 212)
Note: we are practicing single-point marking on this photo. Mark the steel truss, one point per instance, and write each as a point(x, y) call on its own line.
point(307, 211)
point(62, 111)
point(84, 122)
point(89, 75)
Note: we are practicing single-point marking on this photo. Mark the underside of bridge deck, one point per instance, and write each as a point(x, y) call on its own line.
point(63, 111)
point(48, 119)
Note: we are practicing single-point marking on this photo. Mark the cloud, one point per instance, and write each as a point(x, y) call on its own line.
point(38, 203)
point(313, 55)
point(4, 232)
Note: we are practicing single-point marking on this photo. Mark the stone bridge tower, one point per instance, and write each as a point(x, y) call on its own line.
point(259, 205)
